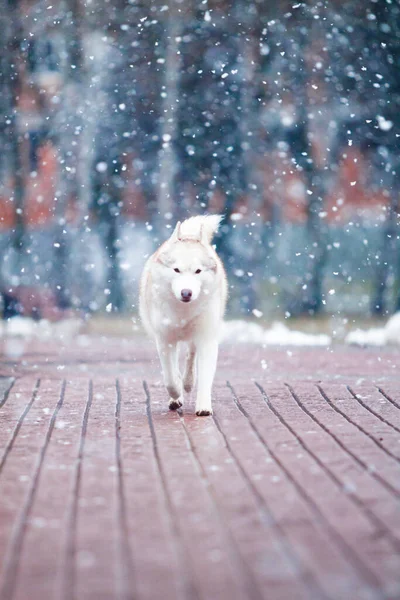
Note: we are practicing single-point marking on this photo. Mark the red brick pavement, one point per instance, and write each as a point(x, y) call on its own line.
point(291, 491)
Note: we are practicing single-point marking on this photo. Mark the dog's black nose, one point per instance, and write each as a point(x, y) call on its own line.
point(186, 295)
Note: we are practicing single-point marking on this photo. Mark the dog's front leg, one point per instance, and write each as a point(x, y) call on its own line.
point(189, 376)
point(168, 354)
point(207, 354)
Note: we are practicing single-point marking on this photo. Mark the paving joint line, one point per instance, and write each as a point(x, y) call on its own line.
point(388, 398)
point(189, 589)
point(18, 426)
point(371, 410)
point(373, 518)
point(364, 431)
point(69, 575)
point(125, 564)
point(341, 542)
point(301, 571)
point(12, 559)
point(251, 584)
point(7, 392)
point(388, 486)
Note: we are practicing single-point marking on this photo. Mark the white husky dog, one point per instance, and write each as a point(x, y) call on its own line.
point(183, 294)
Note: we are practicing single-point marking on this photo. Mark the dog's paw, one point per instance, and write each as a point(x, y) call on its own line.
point(204, 408)
point(204, 413)
point(174, 404)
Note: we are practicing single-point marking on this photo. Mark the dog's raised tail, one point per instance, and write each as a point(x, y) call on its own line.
point(201, 224)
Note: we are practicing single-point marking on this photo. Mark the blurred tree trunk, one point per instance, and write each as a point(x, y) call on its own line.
point(10, 86)
point(169, 108)
point(211, 111)
point(107, 199)
point(387, 256)
point(388, 16)
point(80, 187)
point(72, 87)
point(73, 78)
point(309, 297)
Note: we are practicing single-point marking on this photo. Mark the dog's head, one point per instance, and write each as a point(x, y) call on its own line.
point(189, 264)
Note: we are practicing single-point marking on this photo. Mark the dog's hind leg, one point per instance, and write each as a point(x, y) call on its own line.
point(189, 376)
point(168, 354)
point(207, 354)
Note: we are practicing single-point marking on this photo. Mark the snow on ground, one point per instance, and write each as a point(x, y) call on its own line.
point(377, 336)
point(17, 331)
point(27, 328)
point(278, 334)
point(21, 329)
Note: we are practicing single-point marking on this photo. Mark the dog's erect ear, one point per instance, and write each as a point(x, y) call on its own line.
point(210, 264)
point(165, 259)
point(176, 235)
point(203, 236)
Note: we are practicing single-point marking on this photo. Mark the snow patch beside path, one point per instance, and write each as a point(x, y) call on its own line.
point(18, 331)
point(26, 327)
point(377, 336)
point(278, 334)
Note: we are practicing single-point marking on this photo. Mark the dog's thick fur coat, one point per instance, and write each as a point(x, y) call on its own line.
point(183, 294)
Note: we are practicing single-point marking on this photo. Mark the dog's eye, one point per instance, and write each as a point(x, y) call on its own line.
point(198, 271)
point(177, 270)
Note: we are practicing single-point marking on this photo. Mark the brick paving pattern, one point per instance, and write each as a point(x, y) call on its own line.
point(290, 491)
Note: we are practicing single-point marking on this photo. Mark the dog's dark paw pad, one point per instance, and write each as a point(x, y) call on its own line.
point(175, 404)
point(203, 413)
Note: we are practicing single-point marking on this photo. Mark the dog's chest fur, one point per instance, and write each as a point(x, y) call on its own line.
point(178, 322)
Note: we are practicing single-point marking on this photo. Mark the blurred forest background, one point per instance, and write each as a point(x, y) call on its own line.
point(118, 117)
